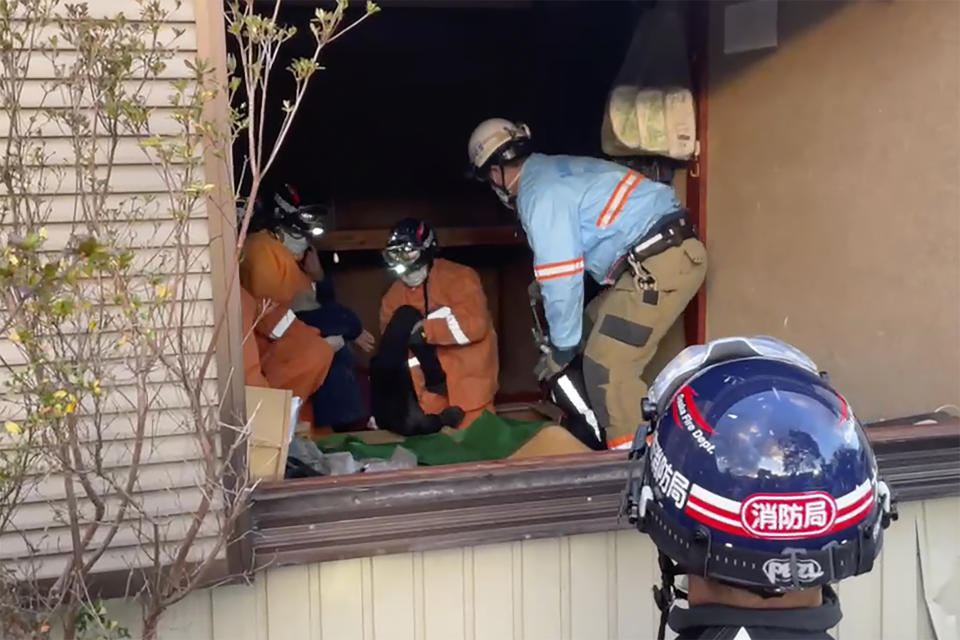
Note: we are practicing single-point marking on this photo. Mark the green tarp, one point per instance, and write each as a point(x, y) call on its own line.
point(490, 437)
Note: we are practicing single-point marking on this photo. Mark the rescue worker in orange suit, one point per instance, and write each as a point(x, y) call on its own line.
point(292, 354)
point(456, 320)
point(280, 352)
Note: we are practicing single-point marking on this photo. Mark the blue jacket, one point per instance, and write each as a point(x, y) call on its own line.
point(582, 214)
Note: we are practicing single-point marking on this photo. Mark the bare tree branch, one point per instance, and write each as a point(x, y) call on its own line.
point(108, 319)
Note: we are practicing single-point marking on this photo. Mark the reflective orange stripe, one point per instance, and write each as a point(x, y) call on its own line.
point(558, 269)
point(560, 275)
point(626, 196)
point(616, 442)
point(617, 199)
point(551, 265)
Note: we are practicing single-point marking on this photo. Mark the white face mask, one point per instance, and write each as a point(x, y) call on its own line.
point(415, 278)
point(297, 245)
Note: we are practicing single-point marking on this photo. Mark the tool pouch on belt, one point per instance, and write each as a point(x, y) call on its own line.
point(669, 232)
point(672, 269)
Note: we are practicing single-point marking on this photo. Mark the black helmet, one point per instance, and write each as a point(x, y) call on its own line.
point(284, 212)
point(412, 244)
point(292, 216)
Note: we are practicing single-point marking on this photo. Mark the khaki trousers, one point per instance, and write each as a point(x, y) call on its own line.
point(625, 324)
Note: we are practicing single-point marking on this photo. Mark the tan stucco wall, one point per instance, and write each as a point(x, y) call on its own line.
point(833, 206)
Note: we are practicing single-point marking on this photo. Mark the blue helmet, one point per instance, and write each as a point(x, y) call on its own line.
point(757, 472)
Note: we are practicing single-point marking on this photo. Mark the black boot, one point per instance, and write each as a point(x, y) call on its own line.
point(451, 416)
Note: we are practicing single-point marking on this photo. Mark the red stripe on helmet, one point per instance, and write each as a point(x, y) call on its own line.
point(687, 393)
point(844, 410)
point(711, 521)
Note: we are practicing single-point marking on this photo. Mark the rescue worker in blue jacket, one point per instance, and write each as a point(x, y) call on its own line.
point(585, 215)
point(758, 485)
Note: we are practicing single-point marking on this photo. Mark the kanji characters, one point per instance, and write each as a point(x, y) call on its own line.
point(791, 517)
point(815, 514)
point(765, 516)
point(677, 490)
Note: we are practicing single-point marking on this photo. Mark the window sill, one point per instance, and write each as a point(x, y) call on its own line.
point(321, 519)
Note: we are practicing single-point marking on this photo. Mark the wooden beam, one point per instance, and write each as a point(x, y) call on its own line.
point(222, 225)
point(375, 239)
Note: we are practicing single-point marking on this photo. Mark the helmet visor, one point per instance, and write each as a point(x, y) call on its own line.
point(311, 219)
point(402, 258)
point(696, 357)
point(306, 220)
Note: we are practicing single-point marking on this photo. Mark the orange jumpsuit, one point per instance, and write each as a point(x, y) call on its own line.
point(268, 269)
point(459, 325)
point(289, 353)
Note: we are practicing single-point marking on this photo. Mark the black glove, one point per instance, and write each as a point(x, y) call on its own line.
point(554, 362)
point(563, 357)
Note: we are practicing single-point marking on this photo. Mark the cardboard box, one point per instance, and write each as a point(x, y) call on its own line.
point(269, 411)
point(552, 440)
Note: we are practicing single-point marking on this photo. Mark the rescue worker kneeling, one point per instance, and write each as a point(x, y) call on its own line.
point(456, 322)
point(280, 266)
point(281, 352)
point(630, 234)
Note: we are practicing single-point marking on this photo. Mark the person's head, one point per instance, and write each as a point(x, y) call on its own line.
point(758, 477)
point(410, 251)
point(294, 223)
point(497, 150)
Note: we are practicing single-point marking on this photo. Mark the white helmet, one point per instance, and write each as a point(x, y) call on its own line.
point(497, 140)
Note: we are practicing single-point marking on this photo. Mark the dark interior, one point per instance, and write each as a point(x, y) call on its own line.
point(383, 130)
point(390, 116)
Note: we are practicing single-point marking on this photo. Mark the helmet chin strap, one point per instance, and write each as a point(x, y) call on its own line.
point(505, 192)
point(664, 595)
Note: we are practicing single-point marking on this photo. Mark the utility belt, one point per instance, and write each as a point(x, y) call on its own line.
point(669, 232)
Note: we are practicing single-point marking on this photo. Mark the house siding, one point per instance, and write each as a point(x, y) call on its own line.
point(38, 543)
point(589, 587)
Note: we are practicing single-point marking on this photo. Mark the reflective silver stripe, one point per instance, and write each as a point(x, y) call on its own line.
point(281, 327)
point(413, 362)
point(452, 324)
point(649, 242)
point(579, 404)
